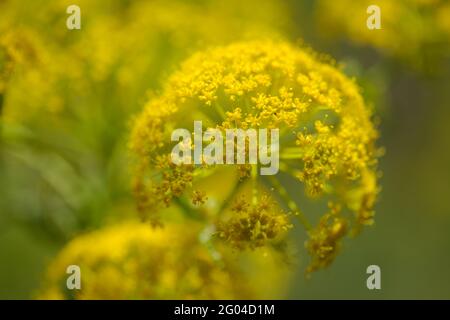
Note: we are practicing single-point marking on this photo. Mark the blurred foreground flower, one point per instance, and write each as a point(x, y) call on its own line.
point(327, 143)
point(135, 261)
point(122, 45)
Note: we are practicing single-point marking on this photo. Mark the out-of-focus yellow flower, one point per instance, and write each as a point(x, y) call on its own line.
point(122, 48)
point(407, 26)
point(134, 261)
point(326, 135)
point(33, 73)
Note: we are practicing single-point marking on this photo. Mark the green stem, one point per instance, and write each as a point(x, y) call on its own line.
point(187, 209)
point(221, 111)
point(230, 196)
point(254, 175)
point(285, 168)
point(283, 194)
point(291, 156)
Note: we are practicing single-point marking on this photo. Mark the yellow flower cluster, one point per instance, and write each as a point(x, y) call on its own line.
point(27, 61)
point(135, 261)
point(8, 56)
point(253, 225)
point(327, 138)
point(407, 26)
point(325, 239)
point(122, 45)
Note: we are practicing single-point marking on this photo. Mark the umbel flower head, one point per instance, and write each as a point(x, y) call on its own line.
point(327, 144)
point(135, 261)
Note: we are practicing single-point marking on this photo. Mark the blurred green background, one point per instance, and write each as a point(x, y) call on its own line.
point(55, 183)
